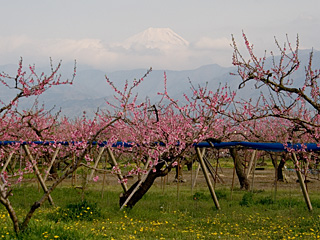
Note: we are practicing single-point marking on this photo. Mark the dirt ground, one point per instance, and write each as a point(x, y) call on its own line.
point(261, 179)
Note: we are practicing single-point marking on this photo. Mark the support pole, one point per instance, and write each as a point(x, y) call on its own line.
point(138, 185)
point(96, 163)
point(212, 172)
point(51, 163)
point(198, 169)
point(275, 176)
point(104, 175)
point(233, 176)
point(7, 162)
point(196, 176)
point(191, 178)
point(38, 174)
point(253, 171)
point(301, 182)
point(252, 161)
point(114, 163)
point(205, 172)
point(178, 180)
point(74, 174)
point(216, 172)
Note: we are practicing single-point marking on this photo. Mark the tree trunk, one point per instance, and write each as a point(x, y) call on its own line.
point(144, 186)
point(279, 167)
point(244, 183)
point(69, 171)
point(12, 213)
point(280, 170)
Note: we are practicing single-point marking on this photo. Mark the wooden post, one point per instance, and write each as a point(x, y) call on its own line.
point(233, 176)
point(205, 172)
point(51, 163)
point(301, 182)
point(138, 186)
point(211, 170)
point(96, 163)
point(104, 175)
point(7, 162)
point(216, 173)
point(114, 162)
point(276, 175)
point(74, 174)
point(253, 172)
point(178, 180)
point(196, 176)
point(38, 174)
point(198, 169)
point(252, 160)
point(191, 178)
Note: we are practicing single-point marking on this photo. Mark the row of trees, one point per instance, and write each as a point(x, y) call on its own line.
point(161, 133)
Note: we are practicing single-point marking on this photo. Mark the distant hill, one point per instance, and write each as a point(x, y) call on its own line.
point(90, 90)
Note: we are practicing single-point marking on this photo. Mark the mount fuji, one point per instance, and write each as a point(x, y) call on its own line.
point(156, 38)
point(90, 90)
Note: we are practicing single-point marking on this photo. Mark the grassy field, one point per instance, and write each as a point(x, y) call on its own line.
point(171, 211)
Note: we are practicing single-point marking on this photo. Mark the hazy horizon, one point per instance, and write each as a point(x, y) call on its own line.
point(96, 32)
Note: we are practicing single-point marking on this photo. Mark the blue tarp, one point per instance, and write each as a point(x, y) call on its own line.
point(274, 147)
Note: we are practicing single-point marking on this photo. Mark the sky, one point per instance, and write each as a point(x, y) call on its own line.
point(93, 31)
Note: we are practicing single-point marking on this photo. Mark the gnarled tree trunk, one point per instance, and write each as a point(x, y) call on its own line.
point(4, 201)
point(144, 186)
point(244, 183)
point(279, 167)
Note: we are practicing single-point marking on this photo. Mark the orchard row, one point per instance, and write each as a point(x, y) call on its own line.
point(289, 112)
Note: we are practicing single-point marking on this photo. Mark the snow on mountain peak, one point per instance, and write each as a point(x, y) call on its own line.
point(156, 38)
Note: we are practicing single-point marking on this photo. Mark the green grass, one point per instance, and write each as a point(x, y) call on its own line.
point(166, 215)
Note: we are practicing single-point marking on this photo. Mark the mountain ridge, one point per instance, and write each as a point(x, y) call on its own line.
point(90, 89)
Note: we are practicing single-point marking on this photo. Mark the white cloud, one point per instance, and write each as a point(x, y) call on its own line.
point(60, 46)
point(210, 43)
point(114, 56)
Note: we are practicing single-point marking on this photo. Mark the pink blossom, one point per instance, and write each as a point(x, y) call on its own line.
point(95, 179)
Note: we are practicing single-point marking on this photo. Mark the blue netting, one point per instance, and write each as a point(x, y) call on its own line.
point(274, 147)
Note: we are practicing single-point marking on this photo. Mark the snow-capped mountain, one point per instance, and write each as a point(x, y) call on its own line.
point(156, 38)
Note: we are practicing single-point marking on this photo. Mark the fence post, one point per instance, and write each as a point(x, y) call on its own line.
point(205, 172)
point(252, 161)
point(114, 162)
point(96, 163)
point(51, 163)
point(38, 174)
point(301, 182)
point(7, 162)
